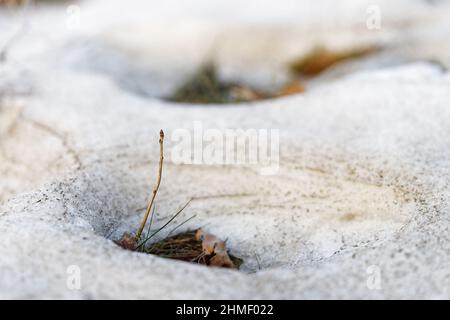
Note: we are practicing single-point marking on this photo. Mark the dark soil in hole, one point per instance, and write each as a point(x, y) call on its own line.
point(206, 87)
point(185, 246)
point(190, 246)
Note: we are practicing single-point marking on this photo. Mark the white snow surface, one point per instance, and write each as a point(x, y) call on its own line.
point(363, 186)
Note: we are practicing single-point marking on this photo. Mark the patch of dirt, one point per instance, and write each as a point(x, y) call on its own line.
point(321, 58)
point(190, 246)
point(205, 86)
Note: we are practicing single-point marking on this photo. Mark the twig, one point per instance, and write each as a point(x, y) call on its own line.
point(150, 225)
point(155, 189)
point(151, 221)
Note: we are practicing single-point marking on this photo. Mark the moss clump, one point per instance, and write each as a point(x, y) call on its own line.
point(204, 86)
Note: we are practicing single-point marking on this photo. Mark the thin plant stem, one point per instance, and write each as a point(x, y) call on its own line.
point(155, 189)
point(151, 221)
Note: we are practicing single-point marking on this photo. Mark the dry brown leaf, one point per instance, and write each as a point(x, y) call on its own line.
point(291, 88)
point(222, 260)
point(221, 257)
point(127, 242)
point(208, 240)
point(215, 250)
point(320, 59)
